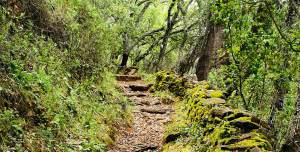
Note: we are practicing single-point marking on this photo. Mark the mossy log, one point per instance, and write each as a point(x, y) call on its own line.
point(223, 128)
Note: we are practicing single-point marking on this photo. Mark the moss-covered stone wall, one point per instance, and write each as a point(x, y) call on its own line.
point(220, 127)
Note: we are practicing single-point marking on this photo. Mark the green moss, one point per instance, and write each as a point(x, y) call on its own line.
point(202, 126)
point(221, 131)
point(178, 147)
point(175, 129)
point(196, 92)
point(165, 97)
point(213, 101)
point(256, 140)
point(204, 85)
point(245, 123)
point(243, 119)
point(169, 81)
point(216, 94)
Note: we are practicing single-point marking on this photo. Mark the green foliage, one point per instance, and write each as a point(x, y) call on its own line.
point(57, 90)
point(57, 97)
point(12, 127)
point(264, 60)
point(165, 97)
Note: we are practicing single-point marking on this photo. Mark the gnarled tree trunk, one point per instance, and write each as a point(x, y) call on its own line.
point(210, 57)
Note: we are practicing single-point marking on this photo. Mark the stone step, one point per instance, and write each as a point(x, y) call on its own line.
point(155, 110)
point(128, 78)
point(143, 102)
point(139, 87)
point(136, 94)
point(145, 148)
point(131, 71)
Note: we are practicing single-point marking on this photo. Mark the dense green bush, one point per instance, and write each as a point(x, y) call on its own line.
point(56, 92)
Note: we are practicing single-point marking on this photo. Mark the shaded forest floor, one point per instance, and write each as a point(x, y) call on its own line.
point(149, 118)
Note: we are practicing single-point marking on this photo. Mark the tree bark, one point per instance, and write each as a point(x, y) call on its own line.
point(189, 60)
point(293, 11)
point(126, 50)
point(209, 57)
point(203, 65)
point(171, 21)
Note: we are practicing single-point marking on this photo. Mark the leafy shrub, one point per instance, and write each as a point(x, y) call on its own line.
point(57, 93)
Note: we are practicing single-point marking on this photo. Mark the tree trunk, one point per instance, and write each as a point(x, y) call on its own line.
point(210, 57)
point(278, 99)
point(126, 51)
point(163, 48)
point(189, 60)
point(203, 65)
point(171, 21)
point(292, 12)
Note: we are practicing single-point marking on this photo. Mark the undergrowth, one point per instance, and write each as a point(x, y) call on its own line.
point(57, 92)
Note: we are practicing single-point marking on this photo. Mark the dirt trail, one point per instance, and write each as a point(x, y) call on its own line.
point(149, 118)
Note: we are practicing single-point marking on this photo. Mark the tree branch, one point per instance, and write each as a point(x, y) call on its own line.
point(279, 30)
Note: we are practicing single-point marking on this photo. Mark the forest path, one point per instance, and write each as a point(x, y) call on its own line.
point(149, 118)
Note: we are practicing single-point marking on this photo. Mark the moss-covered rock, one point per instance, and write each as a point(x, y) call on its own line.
point(169, 81)
point(249, 142)
point(214, 93)
point(222, 128)
point(177, 147)
point(213, 101)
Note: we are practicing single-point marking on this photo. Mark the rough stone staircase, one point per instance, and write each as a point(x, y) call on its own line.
point(149, 118)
